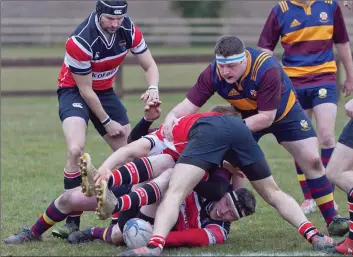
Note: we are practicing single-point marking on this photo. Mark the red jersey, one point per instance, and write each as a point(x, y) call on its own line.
point(180, 132)
point(89, 51)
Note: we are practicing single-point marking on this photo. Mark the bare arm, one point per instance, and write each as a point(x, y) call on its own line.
point(345, 54)
point(148, 64)
point(84, 83)
point(182, 109)
point(260, 121)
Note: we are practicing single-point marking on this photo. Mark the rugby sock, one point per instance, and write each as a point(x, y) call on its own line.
point(308, 230)
point(156, 241)
point(104, 234)
point(72, 180)
point(51, 216)
point(350, 206)
point(147, 194)
point(132, 173)
point(303, 183)
point(114, 218)
point(325, 157)
point(321, 190)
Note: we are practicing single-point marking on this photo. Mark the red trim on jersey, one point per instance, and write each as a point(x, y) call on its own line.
point(217, 233)
point(190, 237)
point(138, 37)
point(76, 52)
point(107, 63)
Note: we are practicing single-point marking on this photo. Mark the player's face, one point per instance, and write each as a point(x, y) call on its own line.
point(111, 23)
point(231, 72)
point(223, 210)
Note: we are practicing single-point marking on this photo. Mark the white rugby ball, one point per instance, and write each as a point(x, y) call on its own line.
point(136, 233)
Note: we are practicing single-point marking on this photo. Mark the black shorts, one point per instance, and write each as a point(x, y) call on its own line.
point(71, 104)
point(217, 138)
point(346, 136)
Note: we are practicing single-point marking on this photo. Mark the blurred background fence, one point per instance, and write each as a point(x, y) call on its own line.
point(33, 31)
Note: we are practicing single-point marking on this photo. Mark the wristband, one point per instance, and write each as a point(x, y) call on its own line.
point(148, 120)
point(153, 88)
point(106, 121)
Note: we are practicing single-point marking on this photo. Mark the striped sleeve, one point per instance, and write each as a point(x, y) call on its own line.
point(139, 45)
point(217, 233)
point(78, 56)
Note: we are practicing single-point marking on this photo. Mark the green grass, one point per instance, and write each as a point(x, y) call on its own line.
point(32, 160)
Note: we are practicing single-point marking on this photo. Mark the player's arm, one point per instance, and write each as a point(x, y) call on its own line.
point(341, 40)
point(209, 235)
point(78, 59)
point(152, 113)
point(270, 34)
point(147, 63)
point(195, 98)
point(268, 100)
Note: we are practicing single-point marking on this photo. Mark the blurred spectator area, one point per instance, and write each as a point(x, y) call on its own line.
point(51, 22)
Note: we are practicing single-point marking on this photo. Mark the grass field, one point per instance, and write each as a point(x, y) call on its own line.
point(33, 155)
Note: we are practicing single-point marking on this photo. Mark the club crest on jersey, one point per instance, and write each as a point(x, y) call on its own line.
point(305, 126)
point(253, 93)
point(122, 45)
point(322, 92)
point(323, 17)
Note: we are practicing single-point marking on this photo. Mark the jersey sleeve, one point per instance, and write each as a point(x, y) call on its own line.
point(269, 92)
point(217, 231)
point(209, 235)
point(340, 34)
point(78, 56)
point(139, 45)
point(203, 89)
point(271, 32)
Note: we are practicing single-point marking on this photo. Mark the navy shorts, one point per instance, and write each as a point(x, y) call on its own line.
point(294, 126)
point(71, 104)
point(217, 138)
point(121, 190)
point(346, 136)
point(312, 96)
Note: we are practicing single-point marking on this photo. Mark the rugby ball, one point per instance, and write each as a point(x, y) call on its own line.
point(136, 233)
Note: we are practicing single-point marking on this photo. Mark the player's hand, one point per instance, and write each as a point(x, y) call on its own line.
point(153, 110)
point(167, 129)
point(348, 4)
point(348, 108)
point(347, 88)
point(103, 175)
point(150, 95)
point(114, 129)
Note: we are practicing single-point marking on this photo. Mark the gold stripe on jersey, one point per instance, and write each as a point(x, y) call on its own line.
point(259, 61)
point(323, 32)
point(290, 103)
point(329, 2)
point(307, 70)
point(244, 104)
point(284, 6)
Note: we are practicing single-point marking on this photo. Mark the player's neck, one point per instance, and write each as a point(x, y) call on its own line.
point(107, 35)
point(306, 2)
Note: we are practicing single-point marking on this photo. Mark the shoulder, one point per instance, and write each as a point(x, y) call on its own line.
point(87, 30)
point(261, 61)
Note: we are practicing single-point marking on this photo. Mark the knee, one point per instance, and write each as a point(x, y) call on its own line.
point(315, 164)
point(327, 139)
point(75, 151)
point(63, 202)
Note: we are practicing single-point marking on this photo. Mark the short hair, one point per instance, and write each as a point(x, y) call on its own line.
point(225, 110)
point(229, 45)
point(247, 200)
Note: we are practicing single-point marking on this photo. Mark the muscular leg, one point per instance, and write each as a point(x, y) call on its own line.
point(75, 130)
point(325, 116)
point(305, 153)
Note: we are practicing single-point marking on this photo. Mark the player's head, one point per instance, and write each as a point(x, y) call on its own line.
point(225, 110)
point(233, 205)
point(231, 58)
point(111, 14)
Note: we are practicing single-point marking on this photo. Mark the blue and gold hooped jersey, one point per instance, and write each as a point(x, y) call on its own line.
point(242, 94)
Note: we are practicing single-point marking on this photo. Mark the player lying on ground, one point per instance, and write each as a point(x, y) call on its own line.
point(206, 140)
point(201, 222)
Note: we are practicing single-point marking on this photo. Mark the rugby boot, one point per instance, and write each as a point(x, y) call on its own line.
point(322, 242)
point(26, 235)
point(106, 201)
point(88, 172)
point(308, 206)
point(64, 231)
point(339, 226)
point(79, 237)
point(345, 247)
